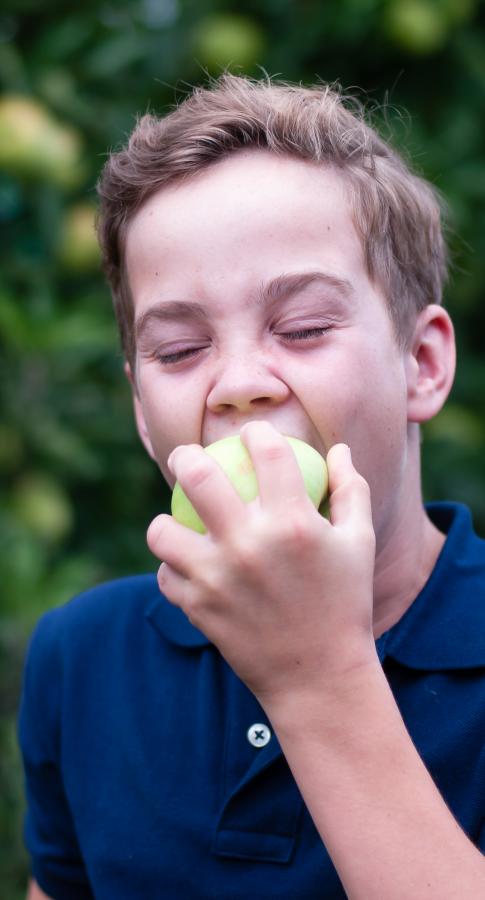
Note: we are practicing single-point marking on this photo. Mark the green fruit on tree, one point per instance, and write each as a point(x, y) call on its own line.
point(33, 145)
point(234, 459)
point(78, 245)
point(419, 26)
point(40, 503)
point(228, 39)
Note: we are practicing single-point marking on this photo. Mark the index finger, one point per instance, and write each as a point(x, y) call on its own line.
point(280, 481)
point(208, 489)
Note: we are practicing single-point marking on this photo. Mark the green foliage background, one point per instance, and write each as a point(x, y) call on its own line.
point(77, 491)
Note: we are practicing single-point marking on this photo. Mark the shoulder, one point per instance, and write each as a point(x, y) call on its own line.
point(444, 628)
point(117, 603)
point(83, 644)
point(88, 627)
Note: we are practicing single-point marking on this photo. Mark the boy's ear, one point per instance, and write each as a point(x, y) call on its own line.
point(139, 414)
point(430, 363)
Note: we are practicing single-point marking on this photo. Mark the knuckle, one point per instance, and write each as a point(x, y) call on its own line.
point(365, 537)
point(194, 612)
point(362, 484)
point(162, 577)
point(209, 583)
point(198, 475)
point(201, 602)
point(300, 533)
point(296, 532)
point(273, 451)
point(245, 554)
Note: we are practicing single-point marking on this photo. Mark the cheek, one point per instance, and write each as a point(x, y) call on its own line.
point(380, 433)
point(364, 403)
point(172, 417)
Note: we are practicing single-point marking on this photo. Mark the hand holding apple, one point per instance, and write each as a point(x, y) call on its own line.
point(283, 592)
point(234, 459)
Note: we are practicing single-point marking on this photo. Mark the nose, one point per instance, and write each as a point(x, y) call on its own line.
point(246, 385)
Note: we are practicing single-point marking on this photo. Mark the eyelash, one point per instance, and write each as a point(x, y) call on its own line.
point(303, 334)
point(172, 358)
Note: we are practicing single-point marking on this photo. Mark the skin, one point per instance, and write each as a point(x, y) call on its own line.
point(349, 383)
point(320, 363)
point(35, 893)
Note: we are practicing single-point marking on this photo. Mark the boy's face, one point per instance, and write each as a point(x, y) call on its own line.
point(252, 301)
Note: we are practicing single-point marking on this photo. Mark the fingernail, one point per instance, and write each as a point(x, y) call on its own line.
point(171, 458)
point(153, 531)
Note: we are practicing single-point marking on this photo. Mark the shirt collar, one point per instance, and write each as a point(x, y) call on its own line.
point(444, 628)
point(172, 623)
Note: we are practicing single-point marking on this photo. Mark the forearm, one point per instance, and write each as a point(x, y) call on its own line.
point(287, 597)
point(383, 821)
point(34, 892)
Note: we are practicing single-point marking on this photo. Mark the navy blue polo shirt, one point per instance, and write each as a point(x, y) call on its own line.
point(140, 778)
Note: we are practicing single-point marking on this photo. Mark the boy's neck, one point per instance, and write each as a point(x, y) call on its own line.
point(404, 562)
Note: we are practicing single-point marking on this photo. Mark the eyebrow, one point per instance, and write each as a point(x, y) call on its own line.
point(169, 311)
point(285, 285)
point(279, 288)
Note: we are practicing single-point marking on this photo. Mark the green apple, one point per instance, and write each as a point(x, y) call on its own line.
point(78, 248)
point(234, 459)
point(419, 26)
point(228, 39)
point(40, 503)
point(34, 145)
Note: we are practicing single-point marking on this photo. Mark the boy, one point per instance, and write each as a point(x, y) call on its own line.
point(300, 712)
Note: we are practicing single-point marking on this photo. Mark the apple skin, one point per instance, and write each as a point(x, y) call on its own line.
point(234, 459)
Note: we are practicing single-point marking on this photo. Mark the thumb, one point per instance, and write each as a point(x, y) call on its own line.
point(350, 502)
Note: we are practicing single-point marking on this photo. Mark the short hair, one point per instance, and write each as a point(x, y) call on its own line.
point(397, 213)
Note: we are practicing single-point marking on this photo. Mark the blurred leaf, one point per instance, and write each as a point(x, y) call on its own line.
point(458, 425)
point(11, 447)
point(64, 37)
point(115, 53)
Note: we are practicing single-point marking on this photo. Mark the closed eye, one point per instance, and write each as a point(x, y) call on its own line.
point(178, 355)
point(304, 334)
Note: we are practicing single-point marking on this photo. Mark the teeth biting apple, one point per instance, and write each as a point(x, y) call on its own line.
point(233, 457)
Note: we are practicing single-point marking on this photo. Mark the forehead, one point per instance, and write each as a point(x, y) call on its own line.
point(251, 214)
point(246, 183)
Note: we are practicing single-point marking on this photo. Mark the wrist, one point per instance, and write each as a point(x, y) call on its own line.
point(340, 691)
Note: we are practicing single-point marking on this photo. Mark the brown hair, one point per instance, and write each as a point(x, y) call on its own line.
point(397, 213)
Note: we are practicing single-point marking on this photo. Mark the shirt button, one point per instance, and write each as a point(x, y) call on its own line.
point(258, 735)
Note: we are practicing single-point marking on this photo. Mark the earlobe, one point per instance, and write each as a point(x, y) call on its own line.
point(139, 414)
point(430, 366)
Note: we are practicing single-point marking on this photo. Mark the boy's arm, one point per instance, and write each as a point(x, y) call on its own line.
point(49, 829)
point(383, 821)
point(34, 892)
point(287, 597)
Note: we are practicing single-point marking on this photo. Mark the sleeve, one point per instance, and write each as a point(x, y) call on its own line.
point(49, 831)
